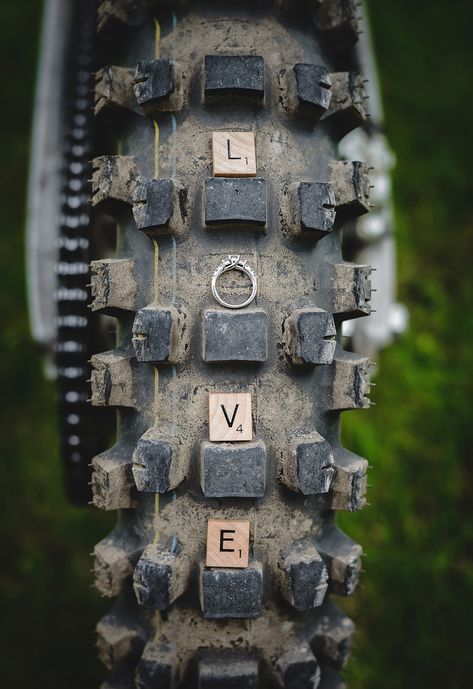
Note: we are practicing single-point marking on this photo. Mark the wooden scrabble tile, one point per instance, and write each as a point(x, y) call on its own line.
point(228, 543)
point(234, 154)
point(230, 417)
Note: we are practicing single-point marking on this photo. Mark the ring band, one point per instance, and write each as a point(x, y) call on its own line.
point(234, 262)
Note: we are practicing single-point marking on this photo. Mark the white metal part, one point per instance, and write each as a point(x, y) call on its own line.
point(375, 230)
point(44, 186)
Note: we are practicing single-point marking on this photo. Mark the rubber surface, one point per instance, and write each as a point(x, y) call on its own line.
point(166, 84)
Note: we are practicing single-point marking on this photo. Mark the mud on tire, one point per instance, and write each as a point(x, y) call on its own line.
point(171, 75)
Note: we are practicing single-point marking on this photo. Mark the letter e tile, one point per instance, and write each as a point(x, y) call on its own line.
point(228, 543)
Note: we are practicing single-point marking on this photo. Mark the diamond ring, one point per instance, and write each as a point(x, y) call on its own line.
point(234, 262)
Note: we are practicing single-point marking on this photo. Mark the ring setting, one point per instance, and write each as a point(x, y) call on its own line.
point(234, 262)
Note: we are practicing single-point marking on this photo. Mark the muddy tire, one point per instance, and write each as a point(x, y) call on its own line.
point(170, 77)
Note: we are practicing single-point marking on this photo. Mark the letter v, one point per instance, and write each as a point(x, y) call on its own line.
point(230, 422)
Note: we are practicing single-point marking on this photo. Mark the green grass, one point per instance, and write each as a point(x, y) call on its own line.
point(415, 604)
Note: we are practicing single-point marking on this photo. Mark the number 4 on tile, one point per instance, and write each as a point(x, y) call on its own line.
point(230, 417)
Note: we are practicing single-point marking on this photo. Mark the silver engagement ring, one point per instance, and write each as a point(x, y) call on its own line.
point(234, 262)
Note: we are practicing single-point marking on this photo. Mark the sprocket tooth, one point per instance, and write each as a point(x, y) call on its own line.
point(111, 380)
point(115, 180)
point(351, 185)
point(332, 636)
point(115, 559)
point(226, 669)
point(344, 289)
point(347, 109)
point(302, 575)
point(112, 480)
point(298, 668)
point(120, 636)
point(114, 90)
point(113, 286)
point(158, 666)
point(337, 21)
point(342, 557)
point(161, 575)
point(345, 384)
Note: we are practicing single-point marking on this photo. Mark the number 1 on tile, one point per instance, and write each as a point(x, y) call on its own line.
point(234, 154)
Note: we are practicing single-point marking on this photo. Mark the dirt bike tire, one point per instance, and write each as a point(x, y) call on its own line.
point(170, 75)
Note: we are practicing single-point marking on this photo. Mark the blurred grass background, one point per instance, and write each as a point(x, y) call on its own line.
point(415, 605)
